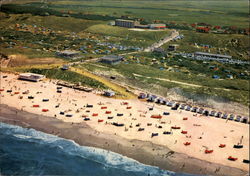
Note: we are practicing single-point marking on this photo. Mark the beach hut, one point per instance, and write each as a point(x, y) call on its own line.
point(61, 113)
point(119, 114)
point(142, 96)
point(129, 107)
point(45, 110)
point(36, 106)
point(1, 90)
point(110, 117)
point(100, 120)
point(95, 114)
point(104, 107)
point(109, 93)
point(185, 118)
point(30, 97)
point(86, 119)
point(224, 116)
point(45, 100)
point(245, 120)
point(194, 109)
point(9, 91)
point(108, 112)
point(68, 115)
point(238, 118)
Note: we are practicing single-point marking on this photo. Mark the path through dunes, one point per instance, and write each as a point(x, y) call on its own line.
point(111, 85)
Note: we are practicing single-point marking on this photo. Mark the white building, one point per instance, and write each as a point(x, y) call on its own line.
point(31, 77)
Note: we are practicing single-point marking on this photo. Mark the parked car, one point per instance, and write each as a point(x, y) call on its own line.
point(231, 117)
point(238, 118)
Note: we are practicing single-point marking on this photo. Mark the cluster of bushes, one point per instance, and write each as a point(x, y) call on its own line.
point(68, 76)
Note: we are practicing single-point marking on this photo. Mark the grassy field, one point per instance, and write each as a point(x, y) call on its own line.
point(144, 38)
point(226, 13)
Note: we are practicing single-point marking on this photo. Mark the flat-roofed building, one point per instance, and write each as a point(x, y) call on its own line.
point(211, 55)
point(111, 59)
point(69, 54)
point(157, 26)
point(31, 77)
point(125, 23)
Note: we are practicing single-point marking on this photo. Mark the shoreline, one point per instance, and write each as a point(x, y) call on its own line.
point(143, 151)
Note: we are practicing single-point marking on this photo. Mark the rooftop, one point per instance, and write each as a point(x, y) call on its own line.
point(211, 54)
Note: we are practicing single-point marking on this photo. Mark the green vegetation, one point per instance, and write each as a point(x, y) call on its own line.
point(68, 76)
point(230, 44)
point(161, 81)
point(234, 13)
point(144, 38)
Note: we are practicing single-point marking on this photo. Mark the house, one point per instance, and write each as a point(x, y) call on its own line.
point(109, 93)
point(157, 26)
point(173, 47)
point(203, 29)
point(142, 96)
point(216, 77)
point(69, 54)
point(65, 67)
point(111, 59)
point(31, 77)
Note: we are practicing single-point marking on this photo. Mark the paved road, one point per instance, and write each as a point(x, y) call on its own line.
point(174, 34)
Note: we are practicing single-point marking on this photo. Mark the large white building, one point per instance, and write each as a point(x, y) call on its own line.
point(31, 77)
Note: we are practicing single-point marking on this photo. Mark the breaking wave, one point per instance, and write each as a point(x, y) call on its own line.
point(29, 152)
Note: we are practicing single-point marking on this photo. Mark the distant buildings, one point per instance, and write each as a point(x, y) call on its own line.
point(31, 77)
point(111, 59)
point(157, 26)
point(173, 47)
point(125, 23)
point(136, 24)
point(212, 56)
point(69, 54)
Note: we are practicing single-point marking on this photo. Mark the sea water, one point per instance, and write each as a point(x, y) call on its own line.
point(30, 152)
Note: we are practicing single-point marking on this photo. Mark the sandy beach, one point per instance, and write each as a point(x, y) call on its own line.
point(166, 151)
